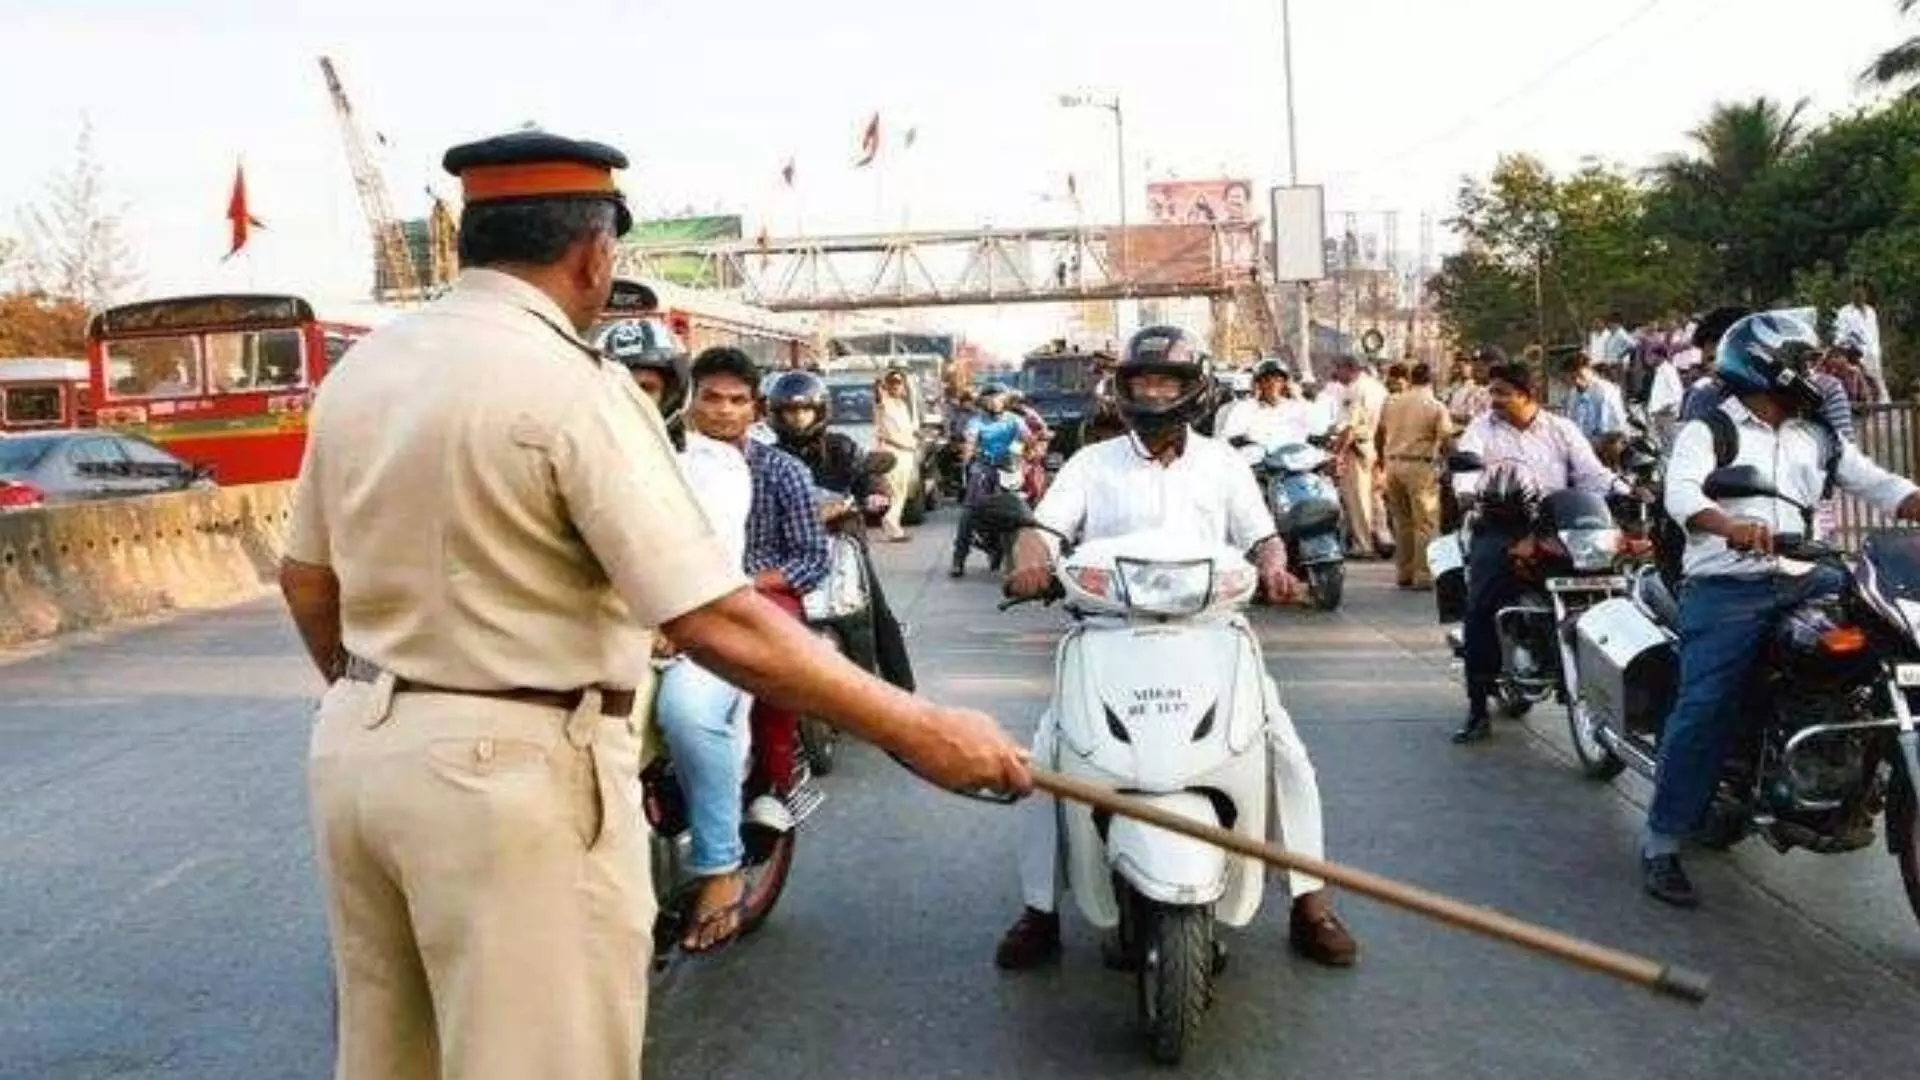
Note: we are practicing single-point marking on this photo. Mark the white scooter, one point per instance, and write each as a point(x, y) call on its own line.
point(1160, 691)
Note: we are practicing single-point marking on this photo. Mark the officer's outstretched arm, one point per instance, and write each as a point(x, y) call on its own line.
point(750, 642)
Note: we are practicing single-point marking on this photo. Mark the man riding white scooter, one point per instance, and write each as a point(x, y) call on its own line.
point(1164, 475)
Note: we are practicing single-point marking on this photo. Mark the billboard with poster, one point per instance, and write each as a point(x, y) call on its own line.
point(1227, 202)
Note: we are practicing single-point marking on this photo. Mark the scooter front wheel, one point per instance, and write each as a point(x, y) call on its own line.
point(1175, 978)
point(1326, 584)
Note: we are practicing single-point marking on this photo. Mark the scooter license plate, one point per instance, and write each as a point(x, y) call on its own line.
point(1906, 676)
point(1610, 583)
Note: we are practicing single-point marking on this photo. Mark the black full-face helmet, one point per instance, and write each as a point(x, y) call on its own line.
point(648, 344)
point(1163, 350)
point(796, 390)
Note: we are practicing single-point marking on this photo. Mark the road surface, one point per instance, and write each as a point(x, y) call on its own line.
point(159, 914)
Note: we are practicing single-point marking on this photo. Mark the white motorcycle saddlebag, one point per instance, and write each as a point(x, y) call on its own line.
point(1629, 665)
point(1447, 561)
point(844, 592)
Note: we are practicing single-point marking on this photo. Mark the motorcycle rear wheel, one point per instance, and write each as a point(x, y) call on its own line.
point(1175, 978)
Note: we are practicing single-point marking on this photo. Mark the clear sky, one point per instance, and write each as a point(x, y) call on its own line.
point(1397, 99)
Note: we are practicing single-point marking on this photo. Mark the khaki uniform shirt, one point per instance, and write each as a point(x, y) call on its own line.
point(1413, 424)
point(501, 505)
point(1362, 403)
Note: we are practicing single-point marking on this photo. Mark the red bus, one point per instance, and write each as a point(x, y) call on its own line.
point(222, 381)
point(44, 393)
point(702, 320)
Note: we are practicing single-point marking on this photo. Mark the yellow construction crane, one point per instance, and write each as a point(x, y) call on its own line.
point(389, 240)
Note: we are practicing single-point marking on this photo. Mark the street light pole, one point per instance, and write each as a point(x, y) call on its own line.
point(1112, 104)
point(1303, 307)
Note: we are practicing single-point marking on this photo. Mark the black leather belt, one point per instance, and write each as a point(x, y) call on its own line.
point(614, 702)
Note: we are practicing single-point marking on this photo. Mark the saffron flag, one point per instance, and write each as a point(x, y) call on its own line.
point(238, 216)
point(869, 143)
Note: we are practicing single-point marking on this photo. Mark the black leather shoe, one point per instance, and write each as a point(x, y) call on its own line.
point(1031, 941)
point(1477, 727)
point(1666, 882)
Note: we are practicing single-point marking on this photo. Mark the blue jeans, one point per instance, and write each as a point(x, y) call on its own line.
point(699, 715)
point(1723, 623)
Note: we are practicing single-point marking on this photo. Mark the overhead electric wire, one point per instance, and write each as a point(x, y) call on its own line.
point(1546, 75)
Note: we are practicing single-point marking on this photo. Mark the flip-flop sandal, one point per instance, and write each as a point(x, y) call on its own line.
point(736, 910)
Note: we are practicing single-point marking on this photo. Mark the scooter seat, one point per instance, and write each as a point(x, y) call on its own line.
point(1653, 592)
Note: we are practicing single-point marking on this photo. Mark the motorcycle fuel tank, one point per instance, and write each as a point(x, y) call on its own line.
point(1628, 664)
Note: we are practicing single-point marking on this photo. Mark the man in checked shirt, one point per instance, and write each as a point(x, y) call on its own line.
point(786, 555)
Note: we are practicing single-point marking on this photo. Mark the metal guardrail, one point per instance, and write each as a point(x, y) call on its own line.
point(1890, 435)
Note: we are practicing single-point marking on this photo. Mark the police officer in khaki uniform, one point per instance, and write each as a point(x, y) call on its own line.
point(1413, 426)
point(487, 523)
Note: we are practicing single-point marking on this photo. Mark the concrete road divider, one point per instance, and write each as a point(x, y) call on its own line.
point(88, 565)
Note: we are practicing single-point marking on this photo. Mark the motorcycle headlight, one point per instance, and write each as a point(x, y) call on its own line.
point(1591, 549)
point(1166, 588)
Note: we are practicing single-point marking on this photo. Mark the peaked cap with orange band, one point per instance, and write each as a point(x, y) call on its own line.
point(526, 166)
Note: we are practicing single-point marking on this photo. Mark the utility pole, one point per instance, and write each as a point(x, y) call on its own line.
point(1303, 305)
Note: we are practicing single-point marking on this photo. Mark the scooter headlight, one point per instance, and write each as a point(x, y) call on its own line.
point(1166, 588)
point(1591, 549)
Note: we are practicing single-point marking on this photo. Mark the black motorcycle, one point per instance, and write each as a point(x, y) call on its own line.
point(1567, 558)
point(1831, 739)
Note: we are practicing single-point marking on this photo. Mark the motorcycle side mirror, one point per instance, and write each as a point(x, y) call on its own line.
point(1464, 461)
point(1742, 482)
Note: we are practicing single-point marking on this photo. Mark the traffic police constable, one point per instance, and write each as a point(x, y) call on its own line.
point(487, 523)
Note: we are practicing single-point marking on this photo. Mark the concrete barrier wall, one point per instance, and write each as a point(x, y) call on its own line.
point(92, 564)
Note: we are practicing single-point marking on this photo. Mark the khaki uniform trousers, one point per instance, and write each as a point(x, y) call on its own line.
point(485, 865)
point(1357, 499)
point(1413, 505)
point(899, 481)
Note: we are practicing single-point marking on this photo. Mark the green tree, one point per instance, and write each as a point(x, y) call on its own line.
point(1572, 248)
point(1899, 65)
point(1699, 199)
point(1481, 301)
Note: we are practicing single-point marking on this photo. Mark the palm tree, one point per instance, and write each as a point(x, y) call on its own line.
point(1739, 141)
point(1900, 64)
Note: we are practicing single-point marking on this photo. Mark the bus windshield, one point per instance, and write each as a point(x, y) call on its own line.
point(219, 362)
